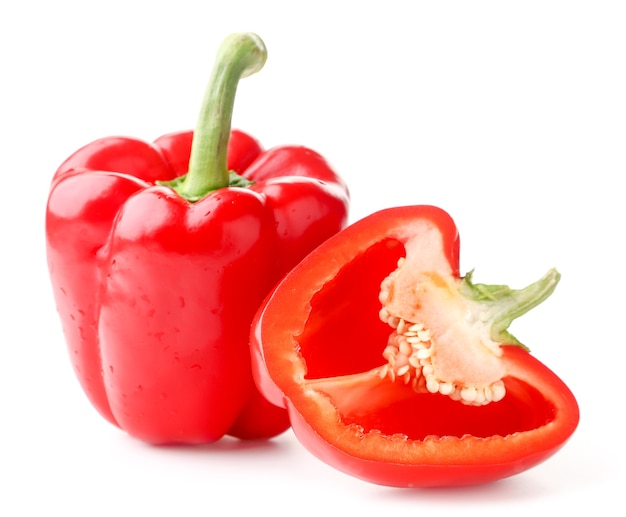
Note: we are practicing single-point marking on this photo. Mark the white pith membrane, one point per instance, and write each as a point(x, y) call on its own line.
point(441, 341)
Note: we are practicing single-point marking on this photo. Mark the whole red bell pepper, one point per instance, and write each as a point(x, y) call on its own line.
point(397, 370)
point(160, 253)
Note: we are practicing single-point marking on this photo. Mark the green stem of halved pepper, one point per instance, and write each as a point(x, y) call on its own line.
point(240, 55)
point(504, 304)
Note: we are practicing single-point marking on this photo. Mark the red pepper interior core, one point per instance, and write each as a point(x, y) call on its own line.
point(344, 336)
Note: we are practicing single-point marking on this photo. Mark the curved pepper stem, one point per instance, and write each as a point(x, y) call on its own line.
point(240, 55)
point(502, 304)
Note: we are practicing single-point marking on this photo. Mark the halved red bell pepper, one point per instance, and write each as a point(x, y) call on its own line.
point(398, 371)
point(160, 253)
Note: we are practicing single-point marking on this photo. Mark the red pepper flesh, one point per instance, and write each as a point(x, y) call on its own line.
point(318, 344)
point(156, 292)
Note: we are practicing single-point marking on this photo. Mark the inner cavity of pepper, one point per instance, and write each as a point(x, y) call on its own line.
point(355, 358)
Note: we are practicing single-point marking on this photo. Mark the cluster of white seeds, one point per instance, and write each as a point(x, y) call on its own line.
point(408, 354)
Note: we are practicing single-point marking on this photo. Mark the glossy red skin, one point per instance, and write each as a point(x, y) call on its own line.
point(156, 294)
point(322, 322)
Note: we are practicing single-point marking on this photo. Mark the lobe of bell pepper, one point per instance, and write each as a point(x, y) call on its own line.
point(158, 262)
point(321, 339)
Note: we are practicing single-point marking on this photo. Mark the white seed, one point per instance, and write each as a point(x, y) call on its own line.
point(424, 353)
point(401, 326)
point(416, 327)
point(446, 388)
point(498, 391)
point(414, 362)
point(405, 348)
point(402, 370)
point(431, 384)
point(427, 369)
point(424, 335)
point(468, 394)
point(390, 350)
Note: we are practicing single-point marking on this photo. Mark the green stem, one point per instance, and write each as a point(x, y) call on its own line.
point(505, 304)
point(240, 55)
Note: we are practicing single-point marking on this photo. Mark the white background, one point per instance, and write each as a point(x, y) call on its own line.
point(510, 115)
